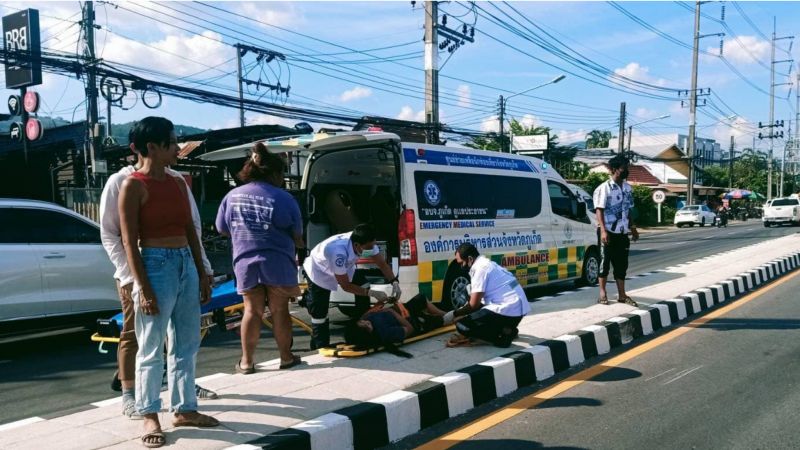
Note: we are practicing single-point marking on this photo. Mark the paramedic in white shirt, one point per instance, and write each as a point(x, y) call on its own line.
point(496, 304)
point(110, 235)
point(613, 201)
point(332, 264)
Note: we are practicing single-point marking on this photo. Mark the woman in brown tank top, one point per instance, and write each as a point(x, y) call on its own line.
point(164, 256)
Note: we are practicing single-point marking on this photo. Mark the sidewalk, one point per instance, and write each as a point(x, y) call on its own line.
point(361, 403)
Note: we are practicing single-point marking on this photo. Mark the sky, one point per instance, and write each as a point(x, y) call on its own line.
point(359, 58)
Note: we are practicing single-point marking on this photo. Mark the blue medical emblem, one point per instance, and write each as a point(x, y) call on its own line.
point(432, 192)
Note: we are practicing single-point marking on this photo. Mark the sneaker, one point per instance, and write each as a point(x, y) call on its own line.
point(205, 394)
point(129, 410)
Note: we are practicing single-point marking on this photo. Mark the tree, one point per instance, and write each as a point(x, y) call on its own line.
point(592, 180)
point(598, 139)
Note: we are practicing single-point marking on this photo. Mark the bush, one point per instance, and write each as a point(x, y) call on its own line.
point(646, 211)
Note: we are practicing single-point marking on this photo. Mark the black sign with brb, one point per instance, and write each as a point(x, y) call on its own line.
point(21, 38)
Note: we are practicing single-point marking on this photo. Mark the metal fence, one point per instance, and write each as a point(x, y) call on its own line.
point(84, 201)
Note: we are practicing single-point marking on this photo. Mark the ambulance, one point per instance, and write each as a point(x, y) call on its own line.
point(425, 200)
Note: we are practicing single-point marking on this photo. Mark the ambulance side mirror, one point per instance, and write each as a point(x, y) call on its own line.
point(581, 210)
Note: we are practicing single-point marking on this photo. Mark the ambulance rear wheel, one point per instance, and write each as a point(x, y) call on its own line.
point(454, 294)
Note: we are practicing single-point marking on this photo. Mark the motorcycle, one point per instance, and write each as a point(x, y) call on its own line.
point(721, 219)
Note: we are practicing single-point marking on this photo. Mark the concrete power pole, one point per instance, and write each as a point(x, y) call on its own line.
point(621, 140)
point(431, 72)
point(91, 88)
point(771, 111)
point(796, 151)
point(730, 165)
point(502, 120)
point(693, 108)
point(239, 78)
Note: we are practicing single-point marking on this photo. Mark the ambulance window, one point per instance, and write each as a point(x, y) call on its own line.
point(563, 201)
point(462, 196)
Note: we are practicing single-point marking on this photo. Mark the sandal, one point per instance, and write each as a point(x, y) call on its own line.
point(244, 370)
point(458, 340)
point(154, 439)
point(200, 421)
point(628, 301)
point(603, 300)
point(295, 361)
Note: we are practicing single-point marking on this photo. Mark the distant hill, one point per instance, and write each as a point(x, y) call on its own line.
point(120, 131)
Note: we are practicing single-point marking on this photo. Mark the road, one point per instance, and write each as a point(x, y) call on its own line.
point(728, 383)
point(49, 374)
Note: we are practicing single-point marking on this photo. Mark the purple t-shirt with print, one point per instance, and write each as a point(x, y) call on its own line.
point(261, 219)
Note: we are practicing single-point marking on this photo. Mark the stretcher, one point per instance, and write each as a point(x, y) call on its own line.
point(344, 350)
point(224, 311)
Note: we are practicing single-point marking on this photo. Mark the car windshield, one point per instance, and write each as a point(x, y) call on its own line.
point(785, 202)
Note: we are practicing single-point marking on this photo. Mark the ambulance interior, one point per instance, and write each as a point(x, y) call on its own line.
point(349, 187)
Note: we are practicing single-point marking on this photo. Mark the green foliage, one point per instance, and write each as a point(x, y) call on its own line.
point(667, 213)
point(592, 180)
point(715, 176)
point(489, 142)
point(598, 139)
point(645, 206)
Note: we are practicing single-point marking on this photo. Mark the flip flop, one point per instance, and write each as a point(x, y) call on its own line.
point(159, 439)
point(459, 341)
point(200, 421)
point(603, 300)
point(244, 370)
point(295, 361)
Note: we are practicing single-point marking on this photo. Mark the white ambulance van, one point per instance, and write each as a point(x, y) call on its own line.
point(425, 200)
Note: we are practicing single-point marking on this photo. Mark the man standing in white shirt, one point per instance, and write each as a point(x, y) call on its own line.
point(332, 264)
point(496, 304)
point(111, 237)
point(613, 201)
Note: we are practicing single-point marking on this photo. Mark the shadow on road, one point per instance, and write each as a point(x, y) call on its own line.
point(723, 324)
point(506, 444)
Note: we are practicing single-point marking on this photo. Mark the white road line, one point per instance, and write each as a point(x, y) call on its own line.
point(20, 423)
point(108, 402)
point(732, 232)
point(645, 249)
point(682, 374)
point(546, 297)
point(662, 373)
point(211, 377)
point(708, 237)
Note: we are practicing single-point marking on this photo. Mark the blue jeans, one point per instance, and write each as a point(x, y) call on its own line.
point(176, 285)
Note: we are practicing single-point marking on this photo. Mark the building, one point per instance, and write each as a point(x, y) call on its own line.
point(707, 151)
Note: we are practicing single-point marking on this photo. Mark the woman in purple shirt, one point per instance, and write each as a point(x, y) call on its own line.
point(265, 227)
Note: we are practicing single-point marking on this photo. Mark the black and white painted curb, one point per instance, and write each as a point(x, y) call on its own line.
point(394, 416)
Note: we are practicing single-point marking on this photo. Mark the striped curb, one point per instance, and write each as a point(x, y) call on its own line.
point(393, 416)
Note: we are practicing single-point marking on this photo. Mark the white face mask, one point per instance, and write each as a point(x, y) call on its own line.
point(369, 252)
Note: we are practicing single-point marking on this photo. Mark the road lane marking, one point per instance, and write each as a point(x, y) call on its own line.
point(537, 398)
point(662, 373)
point(682, 374)
point(20, 423)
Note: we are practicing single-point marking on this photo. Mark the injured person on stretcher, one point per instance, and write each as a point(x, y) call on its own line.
point(389, 326)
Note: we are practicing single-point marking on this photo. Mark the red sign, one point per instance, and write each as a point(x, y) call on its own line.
point(34, 129)
point(31, 101)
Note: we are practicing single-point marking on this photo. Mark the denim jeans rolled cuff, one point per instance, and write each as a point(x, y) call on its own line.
point(174, 279)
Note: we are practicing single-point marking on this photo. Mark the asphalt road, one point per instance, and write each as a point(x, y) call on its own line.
point(729, 383)
point(45, 375)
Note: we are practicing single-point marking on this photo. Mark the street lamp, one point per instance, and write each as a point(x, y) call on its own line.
point(503, 107)
point(630, 129)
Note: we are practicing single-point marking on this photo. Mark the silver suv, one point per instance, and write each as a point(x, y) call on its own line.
point(51, 263)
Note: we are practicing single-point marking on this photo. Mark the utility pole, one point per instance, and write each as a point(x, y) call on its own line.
point(432, 72)
point(621, 140)
point(91, 87)
point(239, 78)
point(502, 120)
point(630, 136)
point(796, 152)
point(730, 165)
point(693, 108)
point(771, 110)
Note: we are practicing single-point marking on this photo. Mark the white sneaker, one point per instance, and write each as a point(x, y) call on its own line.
point(129, 410)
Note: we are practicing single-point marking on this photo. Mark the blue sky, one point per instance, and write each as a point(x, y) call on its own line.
point(324, 72)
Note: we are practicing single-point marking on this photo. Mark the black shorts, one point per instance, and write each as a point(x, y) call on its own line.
point(489, 326)
point(615, 253)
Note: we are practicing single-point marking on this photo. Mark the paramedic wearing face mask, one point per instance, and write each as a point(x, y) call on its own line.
point(332, 264)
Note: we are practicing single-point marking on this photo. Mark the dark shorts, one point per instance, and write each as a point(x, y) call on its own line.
point(615, 254)
point(489, 326)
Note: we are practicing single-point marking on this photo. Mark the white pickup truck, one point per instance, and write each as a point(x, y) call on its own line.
point(782, 210)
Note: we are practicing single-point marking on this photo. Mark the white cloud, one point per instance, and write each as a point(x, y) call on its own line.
point(739, 128)
point(272, 13)
point(355, 94)
point(160, 55)
point(407, 113)
point(490, 124)
point(753, 47)
point(464, 96)
point(529, 121)
point(638, 72)
point(645, 113)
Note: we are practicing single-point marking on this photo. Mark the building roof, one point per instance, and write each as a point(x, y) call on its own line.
point(637, 174)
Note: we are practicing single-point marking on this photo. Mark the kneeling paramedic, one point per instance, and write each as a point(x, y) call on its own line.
point(332, 264)
point(496, 304)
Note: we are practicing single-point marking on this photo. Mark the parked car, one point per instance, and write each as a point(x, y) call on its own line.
point(781, 210)
point(694, 214)
point(52, 265)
